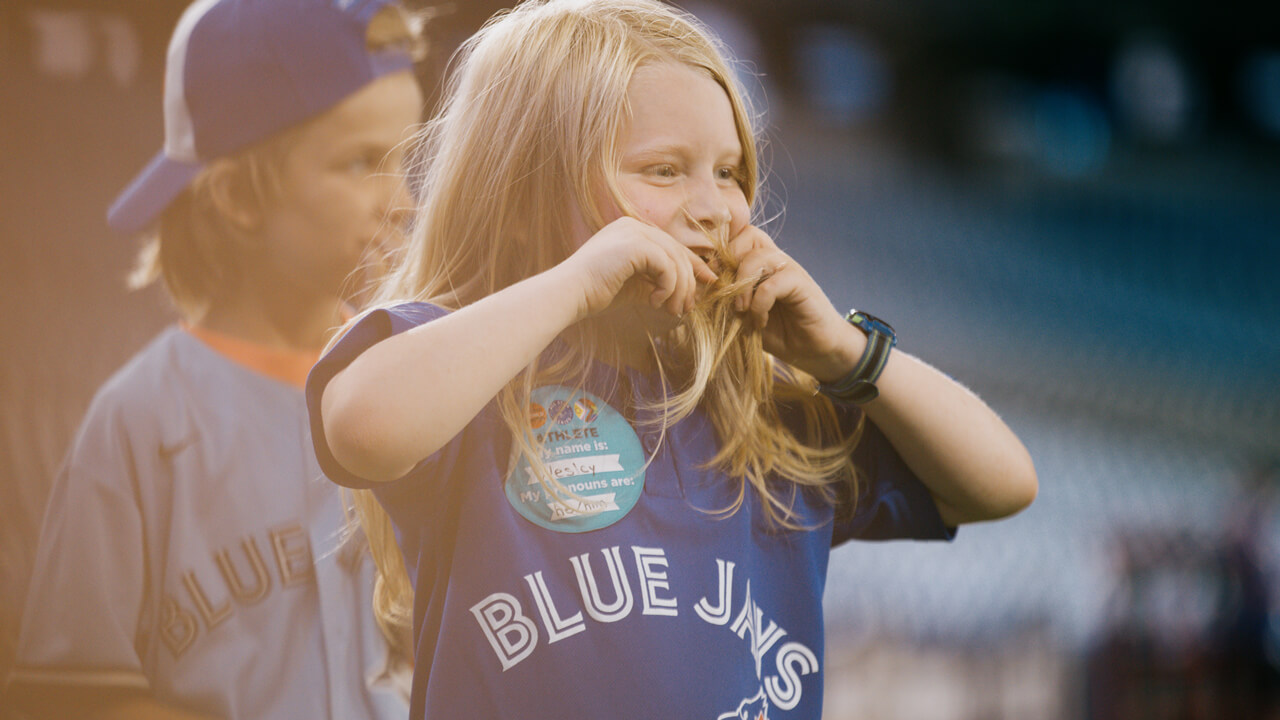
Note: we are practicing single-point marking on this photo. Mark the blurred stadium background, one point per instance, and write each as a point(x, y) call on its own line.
point(1073, 207)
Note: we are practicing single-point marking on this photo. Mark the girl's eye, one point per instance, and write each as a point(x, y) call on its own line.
point(729, 173)
point(663, 171)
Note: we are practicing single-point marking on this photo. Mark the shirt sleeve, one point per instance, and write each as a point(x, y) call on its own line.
point(892, 503)
point(376, 326)
point(88, 587)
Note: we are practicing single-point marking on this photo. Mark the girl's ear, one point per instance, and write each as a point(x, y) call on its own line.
point(235, 196)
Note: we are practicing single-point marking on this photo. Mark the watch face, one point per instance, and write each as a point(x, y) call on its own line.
point(870, 323)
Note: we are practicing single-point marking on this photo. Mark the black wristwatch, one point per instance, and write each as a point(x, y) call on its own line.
point(859, 384)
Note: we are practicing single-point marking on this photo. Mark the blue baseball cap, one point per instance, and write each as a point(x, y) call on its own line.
point(239, 71)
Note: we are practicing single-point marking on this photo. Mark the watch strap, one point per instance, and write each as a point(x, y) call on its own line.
point(859, 384)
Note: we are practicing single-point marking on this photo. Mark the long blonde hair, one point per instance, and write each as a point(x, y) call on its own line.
point(525, 139)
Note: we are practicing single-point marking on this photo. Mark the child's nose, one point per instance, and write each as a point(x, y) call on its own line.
point(707, 206)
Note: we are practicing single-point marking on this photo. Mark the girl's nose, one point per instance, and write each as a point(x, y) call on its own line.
point(707, 207)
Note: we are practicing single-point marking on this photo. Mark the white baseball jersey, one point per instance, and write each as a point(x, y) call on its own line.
point(192, 547)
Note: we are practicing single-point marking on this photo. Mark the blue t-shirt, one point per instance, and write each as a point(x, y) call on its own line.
point(630, 597)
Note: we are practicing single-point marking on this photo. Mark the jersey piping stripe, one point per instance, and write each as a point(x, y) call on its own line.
point(70, 677)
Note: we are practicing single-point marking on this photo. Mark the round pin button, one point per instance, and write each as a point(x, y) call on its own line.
point(590, 472)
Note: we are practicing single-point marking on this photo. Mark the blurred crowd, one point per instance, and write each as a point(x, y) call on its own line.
point(1191, 630)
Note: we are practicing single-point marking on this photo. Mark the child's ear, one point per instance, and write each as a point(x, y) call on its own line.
point(234, 195)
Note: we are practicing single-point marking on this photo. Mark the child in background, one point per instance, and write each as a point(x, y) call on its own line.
point(191, 561)
point(615, 429)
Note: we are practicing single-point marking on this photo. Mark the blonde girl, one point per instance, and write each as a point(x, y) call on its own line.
point(611, 428)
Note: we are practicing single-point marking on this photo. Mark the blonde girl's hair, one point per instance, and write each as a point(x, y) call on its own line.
point(526, 138)
point(206, 235)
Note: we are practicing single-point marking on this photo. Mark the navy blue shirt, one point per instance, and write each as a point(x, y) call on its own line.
point(630, 596)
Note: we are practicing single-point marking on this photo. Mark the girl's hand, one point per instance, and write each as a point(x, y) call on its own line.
point(629, 261)
point(798, 323)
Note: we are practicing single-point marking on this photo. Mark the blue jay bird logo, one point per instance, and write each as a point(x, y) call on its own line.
point(755, 707)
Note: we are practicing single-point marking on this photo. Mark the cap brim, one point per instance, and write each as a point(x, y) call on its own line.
point(150, 193)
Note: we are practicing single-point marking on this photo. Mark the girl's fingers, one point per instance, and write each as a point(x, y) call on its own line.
point(654, 267)
point(702, 271)
point(690, 288)
point(683, 276)
point(662, 271)
point(764, 296)
point(740, 245)
point(759, 265)
point(751, 238)
point(758, 257)
point(677, 271)
point(689, 270)
point(665, 281)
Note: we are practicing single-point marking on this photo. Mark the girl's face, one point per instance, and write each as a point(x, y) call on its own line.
point(681, 163)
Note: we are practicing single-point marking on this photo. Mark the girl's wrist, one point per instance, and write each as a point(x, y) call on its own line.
point(842, 358)
point(858, 385)
point(564, 285)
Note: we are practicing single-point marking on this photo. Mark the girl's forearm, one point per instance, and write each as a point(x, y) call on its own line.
point(973, 464)
point(408, 395)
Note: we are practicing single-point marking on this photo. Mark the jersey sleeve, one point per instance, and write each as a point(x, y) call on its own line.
point(892, 503)
point(88, 587)
point(376, 326)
